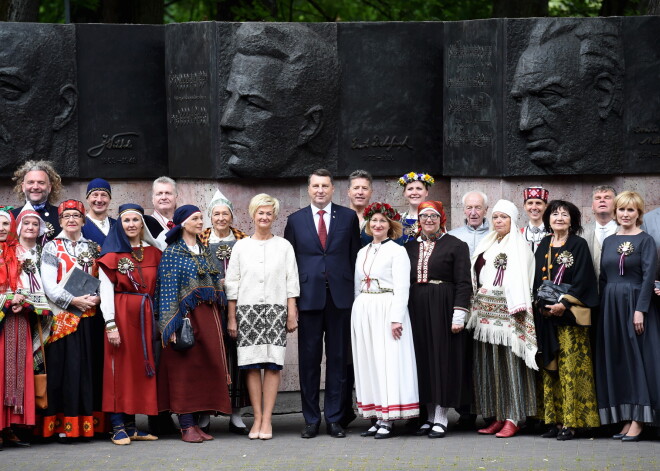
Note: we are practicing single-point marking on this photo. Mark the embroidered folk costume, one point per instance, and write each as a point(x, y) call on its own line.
point(128, 281)
point(409, 222)
point(74, 352)
point(534, 234)
point(189, 286)
point(627, 364)
point(503, 323)
point(440, 291)
point(16, 364)
point(221, 251)
point(93, 229)
point(385, 367)
point(569, 392)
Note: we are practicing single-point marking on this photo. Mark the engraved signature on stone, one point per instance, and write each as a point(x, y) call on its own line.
point(388, 142)
point(116, 141)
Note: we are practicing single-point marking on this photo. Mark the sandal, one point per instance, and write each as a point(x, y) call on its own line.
point(420, 432)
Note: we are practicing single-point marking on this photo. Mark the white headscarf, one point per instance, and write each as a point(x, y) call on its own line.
point(219, 200)
point(519, 273)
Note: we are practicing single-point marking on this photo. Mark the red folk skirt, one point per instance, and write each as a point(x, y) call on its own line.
point(196, 380)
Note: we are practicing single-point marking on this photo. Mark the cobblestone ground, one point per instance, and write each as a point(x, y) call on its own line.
point(460, 450)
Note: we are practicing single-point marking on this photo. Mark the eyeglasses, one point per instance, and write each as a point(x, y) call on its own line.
point(71, 216)
point(432, 217)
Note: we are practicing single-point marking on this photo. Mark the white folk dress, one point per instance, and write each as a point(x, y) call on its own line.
point(385, 368)
point(261, 276)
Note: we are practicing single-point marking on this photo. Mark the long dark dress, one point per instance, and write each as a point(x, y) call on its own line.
point(627, 364)
point(443, 367)
point(238, 392)
point(569, 391)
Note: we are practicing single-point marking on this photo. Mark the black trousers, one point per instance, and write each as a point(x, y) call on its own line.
point(332, 327)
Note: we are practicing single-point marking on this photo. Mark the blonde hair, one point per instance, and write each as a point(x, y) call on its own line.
point(262, 199)
point(630, 198)
point(394, 232)
point(38, 166)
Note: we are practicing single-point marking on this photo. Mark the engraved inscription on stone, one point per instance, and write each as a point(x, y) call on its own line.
point(190, 94)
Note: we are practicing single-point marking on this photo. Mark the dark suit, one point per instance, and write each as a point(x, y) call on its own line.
point(326, 297)
point(49, 214)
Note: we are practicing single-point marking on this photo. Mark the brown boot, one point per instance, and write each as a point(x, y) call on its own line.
point(205, 436)
point(191, 435)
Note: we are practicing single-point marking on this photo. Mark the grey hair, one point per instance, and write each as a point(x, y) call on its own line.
point(164, 180)
point(480, 193)
point(360, 174)
point(602, 189)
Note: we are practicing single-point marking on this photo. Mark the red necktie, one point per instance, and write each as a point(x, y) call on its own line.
point(170, 224)
point(323, 231)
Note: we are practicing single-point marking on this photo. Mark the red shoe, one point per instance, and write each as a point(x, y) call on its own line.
point(509, 430)
point(190, 435)
point(205, 436)
point(494, 427)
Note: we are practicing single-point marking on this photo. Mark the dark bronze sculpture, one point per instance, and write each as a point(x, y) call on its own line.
point(280, 115)
point(568, 85)
point(38, 96)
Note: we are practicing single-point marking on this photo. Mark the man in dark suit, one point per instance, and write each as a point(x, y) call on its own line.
point(326, 240)
point(40, 185)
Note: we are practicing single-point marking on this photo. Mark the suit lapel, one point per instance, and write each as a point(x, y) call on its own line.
point(333, 224)
point(311, 227)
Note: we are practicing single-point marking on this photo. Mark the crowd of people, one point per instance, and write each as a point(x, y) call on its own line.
point(102, 319)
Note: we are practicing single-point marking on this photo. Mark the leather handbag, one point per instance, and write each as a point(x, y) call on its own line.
point(40, 380)
point(185, 338)
point(549, 293)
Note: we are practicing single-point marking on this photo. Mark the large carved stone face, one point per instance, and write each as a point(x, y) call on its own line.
point(555, 103)
point(262, 120)
point(29, 99)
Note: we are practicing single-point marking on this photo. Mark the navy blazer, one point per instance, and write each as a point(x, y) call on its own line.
point(336, 263)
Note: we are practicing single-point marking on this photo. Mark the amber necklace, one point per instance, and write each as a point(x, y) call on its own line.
point(140, 251)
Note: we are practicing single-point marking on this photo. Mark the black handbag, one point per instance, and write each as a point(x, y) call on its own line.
point(185, 338)
point(549, 293)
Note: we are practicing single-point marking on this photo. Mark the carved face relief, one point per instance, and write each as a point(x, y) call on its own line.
point(555, 103)
point(261, 120)
point(32, 105)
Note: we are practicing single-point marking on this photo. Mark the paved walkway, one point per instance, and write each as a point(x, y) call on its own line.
point(287, 451)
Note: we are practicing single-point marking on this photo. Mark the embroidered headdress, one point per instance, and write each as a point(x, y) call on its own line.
point(219, 200)
point(535, 193)
point(71, 204)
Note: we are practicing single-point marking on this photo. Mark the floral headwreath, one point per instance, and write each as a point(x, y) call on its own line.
point(416, 177)
point(381, 208)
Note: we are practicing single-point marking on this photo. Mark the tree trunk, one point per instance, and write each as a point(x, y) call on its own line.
point(519, 8)
point(131, 11)
point(19, 10)
point(653, 7)
point(613, 8)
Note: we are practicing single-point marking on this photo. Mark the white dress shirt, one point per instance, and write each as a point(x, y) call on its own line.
point(326, 217)
point(605, 231)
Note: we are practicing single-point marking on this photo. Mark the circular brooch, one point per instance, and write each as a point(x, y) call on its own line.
point(50, 230)
point(411, 230)
point(85, 259)
point(29, 266)
point(223, 252)
point(500, 261)
point(565, 258)
point(626, 248)
point(125, 265)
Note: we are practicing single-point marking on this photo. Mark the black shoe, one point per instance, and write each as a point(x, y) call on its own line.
point(236, 429)
point(380, 436)
point(618, 436)
point(162, 424)
point(347, 419)
point(335, 430)
point(466, 422)
point(434, 434)
point(369, 432)
point(420, 432)
point(552, 432)
point(632, 438)
point(566, 434)
point(12, 440)
point(310, 431)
